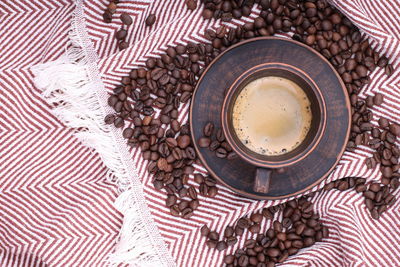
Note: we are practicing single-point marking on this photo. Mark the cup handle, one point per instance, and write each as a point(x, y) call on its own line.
point(262, 180)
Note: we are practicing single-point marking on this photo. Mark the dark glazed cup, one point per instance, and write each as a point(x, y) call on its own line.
point(268, 164)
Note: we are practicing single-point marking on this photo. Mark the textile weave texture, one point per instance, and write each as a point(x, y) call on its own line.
point(56, 207)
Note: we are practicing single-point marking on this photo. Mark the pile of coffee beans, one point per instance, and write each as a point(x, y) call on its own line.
point(378, 197)
point(215, 141)
point(146, 105)
point(299, 227)
point(226, 10)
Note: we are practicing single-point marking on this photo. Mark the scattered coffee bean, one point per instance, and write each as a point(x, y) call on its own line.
point(121, 34)
point(150, 20)
point(126, 19)
point(191, 4)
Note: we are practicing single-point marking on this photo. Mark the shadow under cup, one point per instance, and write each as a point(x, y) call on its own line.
point(318, 111)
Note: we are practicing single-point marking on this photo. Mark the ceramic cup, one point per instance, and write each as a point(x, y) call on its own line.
point(267, 164)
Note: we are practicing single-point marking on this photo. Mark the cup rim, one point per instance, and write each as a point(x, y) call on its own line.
point(228, 101)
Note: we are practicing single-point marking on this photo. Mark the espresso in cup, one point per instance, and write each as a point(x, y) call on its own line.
point(272, 115)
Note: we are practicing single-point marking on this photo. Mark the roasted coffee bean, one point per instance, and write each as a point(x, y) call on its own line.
point(121, 34)
point(239, 231)
point(198, 178)
point(243, 223)
point(107, 16)
point(213, 235)
point(229, 231)
point(191, 4)
point(232, 155)
point(192, 192)
point(213, 145)
point(150, 20)
point(183, 141)
point(119, 122)
point(211, 243)
point(127, 133)
point(126, 19)
point(123, 45)
point(221, 245)
point(190, 153)
point(109, 119)
point(255, 228)
point(229, 259)
point(203, 189)
point(205, 230)
point(212, 191)
point(243, 261)
point(171, 200)
point(389, 70)
point(256, 217)
point(208, 129)
point(378, 99)
point(221, 153)
point(394, 129)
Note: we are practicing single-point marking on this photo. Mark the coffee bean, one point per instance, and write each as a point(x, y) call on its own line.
point(109, 119)
point(205, 230)
point(119, 122)
point(243, 223)
point(183, 141)
point(369, 194)
point(243, 261)
point(221, 153)
point(221, 245)
point(107, 16)
point(208, 129)
point(211, 243)
point(171, 200)
point(378, 99)
point(203, 189)
point(361, 71)
point(277, 226)
point(256, 217)
point(383, 122)
point(343, 185)
point(232, 155)
point(394, 129)
point(127, 133)
point(389, 70)
point(212, 191)
point(228, 231)
point(220, 135)
point(361, 188)
point(121, 34)
point(191, 4)
point(375, 213)
point(150, 20)
point(229, 259)
point(126, 19)
point(255, 228)
point(213, 235)
point(171, 142)
point(192, 192)
point(273, 252)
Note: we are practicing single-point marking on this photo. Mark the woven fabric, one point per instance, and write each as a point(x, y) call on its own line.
point(55, 207)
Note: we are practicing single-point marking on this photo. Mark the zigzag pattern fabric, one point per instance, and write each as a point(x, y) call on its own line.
point(56, 208)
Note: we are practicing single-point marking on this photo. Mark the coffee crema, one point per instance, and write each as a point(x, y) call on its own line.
point(272, 115)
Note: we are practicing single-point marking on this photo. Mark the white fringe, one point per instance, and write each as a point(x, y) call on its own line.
point(68, 83)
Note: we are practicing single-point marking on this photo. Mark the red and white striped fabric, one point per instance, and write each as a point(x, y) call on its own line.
point(55, 206)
